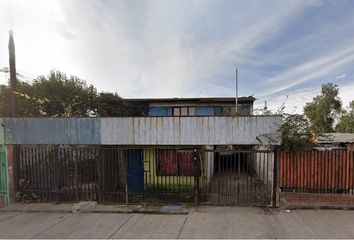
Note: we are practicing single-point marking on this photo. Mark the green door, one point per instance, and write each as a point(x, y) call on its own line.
point(4, 188)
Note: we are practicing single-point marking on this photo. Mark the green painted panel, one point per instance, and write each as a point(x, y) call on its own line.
point(4, 187)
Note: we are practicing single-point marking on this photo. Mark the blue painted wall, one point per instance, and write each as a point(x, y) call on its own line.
point(160, 111)
point(204, 111)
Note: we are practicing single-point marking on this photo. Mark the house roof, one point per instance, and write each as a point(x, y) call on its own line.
point(249, 99)
point(336, 138)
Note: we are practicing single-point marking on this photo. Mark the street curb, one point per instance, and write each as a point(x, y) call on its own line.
point(292, 207)
point(36, 211)
point(138, 211)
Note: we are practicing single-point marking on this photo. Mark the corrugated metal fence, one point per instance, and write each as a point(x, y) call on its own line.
point(317, 171)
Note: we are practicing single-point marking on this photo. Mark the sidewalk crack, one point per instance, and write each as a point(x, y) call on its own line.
point(120, 226)
point(55, 224)
point(181, 229)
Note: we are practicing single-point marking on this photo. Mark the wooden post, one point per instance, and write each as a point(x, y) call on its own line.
point(13, 152)
point(13, 81)
point(12, 157)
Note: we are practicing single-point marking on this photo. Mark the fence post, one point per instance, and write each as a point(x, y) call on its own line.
point(126, 155)
point(276, 177)
point(12, 164)
point(196, 175)
point(56, 164)
point(76, 180)
point(100, 164)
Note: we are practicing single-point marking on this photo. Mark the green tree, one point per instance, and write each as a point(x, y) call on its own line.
point(64, 96)
point(296, 133)
point(346, 121)
point(112, 105)
point(57, 95)
point(324, 108)
point(27, 105)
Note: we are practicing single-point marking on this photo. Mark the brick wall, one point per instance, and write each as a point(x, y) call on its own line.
point(2, 202)
point(315, 200)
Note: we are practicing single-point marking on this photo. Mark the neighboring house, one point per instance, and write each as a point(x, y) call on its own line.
point(336, 140)
point(163, 107)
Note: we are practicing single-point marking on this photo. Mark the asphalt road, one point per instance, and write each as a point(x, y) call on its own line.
point(202, 222)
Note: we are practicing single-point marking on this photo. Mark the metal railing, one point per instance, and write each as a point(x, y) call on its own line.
point(106, 174)
point(239, 177)
point(151, 175)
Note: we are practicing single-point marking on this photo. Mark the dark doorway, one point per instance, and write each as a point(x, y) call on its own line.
point(241, 177)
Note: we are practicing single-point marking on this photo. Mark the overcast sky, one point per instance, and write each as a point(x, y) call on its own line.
point(187, 48)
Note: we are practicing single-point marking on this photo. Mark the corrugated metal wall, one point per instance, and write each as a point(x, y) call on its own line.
point(317, 171)
point(187, 130)
point(52, 130)
point(141, 131)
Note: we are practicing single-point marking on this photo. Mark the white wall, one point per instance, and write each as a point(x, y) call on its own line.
point(209, 164)
point(264, 167)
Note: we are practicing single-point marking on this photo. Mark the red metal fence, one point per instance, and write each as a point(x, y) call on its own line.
point(317, 171)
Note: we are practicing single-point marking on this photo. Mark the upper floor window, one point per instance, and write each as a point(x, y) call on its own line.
point(228, 110)
point(160, 111)
point(183, 111)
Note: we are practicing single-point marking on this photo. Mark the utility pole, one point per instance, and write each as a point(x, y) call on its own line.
point(13, 80)
point(236, 100)
point(12, 150)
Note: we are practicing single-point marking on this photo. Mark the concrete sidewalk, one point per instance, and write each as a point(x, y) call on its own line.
point(201, 222)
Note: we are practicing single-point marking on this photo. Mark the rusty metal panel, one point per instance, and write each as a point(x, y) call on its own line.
point(317, 171)
point(52, 131)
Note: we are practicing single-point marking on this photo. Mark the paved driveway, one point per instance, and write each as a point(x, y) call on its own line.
point(202, 222)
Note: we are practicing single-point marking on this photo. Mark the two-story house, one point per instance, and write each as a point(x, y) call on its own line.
point(175, 147)
point(163, 107)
